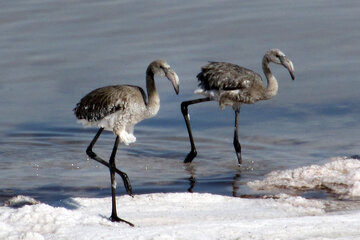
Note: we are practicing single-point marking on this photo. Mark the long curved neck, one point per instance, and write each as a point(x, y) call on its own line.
point(153, 104)
point(272, 84)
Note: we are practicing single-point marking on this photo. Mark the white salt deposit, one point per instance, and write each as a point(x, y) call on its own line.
point(339, 175)
point(20, 201)
point(201, 216)
point(180, 216)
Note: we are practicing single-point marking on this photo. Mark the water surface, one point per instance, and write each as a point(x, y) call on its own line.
point(54, 52)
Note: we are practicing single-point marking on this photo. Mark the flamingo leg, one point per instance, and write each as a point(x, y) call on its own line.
point(114, 217)
point(184, 109)
point(236, 142)
point(94, 156)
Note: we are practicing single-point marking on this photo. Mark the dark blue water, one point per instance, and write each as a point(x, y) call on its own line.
point(54, 52)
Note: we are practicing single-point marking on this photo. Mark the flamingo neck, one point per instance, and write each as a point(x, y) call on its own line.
point(272, 84)
point(153, 104)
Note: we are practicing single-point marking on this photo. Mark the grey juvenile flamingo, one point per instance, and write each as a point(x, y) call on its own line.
point(118, 108)
point(233, 85)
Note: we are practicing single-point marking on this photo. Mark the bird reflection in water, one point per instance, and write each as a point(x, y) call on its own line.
point(235, 182)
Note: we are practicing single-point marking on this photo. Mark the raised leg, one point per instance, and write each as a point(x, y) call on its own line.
point(237, 145)
point(93, 155)
point(114, 217)
point(184, 109)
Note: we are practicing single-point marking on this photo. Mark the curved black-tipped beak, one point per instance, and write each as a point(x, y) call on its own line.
point(289, 65)
point(174, 79)
point(177, 89)
point(292, 75)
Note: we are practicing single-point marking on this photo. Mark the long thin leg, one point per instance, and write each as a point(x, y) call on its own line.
point(184, 109)
point(114, 217)
point(237, 145)
point(93, 155)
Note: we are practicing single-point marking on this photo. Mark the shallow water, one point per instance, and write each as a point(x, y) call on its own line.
point(53, 53)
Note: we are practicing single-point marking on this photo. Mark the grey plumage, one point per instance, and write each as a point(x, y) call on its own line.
point(118, 108)
point(104, 101)
point(225, 76)
point(233, 83)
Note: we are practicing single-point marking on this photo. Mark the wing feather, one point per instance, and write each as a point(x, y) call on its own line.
point(104, 101)
point(226, 76)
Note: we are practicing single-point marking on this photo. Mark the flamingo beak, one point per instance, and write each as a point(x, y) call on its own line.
point(289, 65)
point(291, 71)
point(173, 78)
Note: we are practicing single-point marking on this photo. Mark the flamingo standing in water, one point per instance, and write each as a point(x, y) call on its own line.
point(118, 108)
point(233, 85)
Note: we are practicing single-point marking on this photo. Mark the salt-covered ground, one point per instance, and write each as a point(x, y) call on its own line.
point(193, 215)
point(339, 175)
